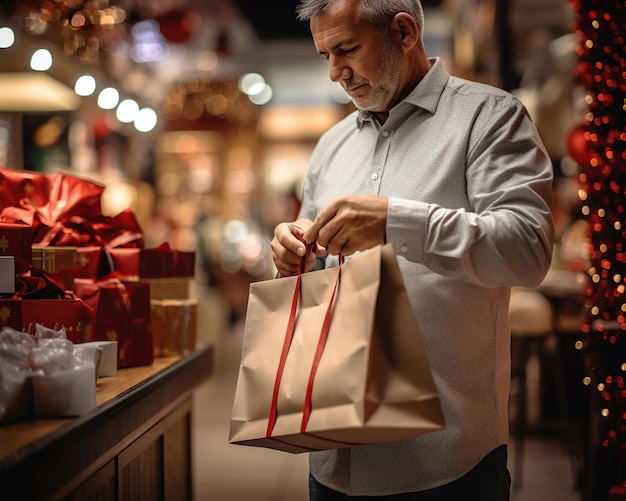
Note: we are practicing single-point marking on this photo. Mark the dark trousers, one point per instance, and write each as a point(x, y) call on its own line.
point(489, 480)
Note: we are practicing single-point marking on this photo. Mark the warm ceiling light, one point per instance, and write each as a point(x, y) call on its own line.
point(85, 85)
point(262, 94)
point(7, 37)
point(251, 83)
point(146, 120)
point(127, 111)
point(108, 98)
point(41, 60)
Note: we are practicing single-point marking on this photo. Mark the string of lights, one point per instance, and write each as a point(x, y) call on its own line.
point(600, 28)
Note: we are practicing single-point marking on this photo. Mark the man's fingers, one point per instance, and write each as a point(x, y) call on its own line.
point(311, 234)
point(290, 237)
point(321, 223)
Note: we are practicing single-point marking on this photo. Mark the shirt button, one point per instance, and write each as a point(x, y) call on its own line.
point(386, 133)
point(404, 249)
point(374, 177)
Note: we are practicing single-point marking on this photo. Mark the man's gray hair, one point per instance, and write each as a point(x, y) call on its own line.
point(380, 13)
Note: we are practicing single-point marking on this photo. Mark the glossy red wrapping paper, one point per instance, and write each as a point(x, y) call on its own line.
point(116, 311)
point(64, 210)
point(158, 262)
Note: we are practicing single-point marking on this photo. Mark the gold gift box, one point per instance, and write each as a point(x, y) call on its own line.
point(174, 326)
point(169, 288)
point(53, 259)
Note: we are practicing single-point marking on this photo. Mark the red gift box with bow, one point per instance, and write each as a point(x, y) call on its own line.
point(158, 262)
point(64, 210)
point(16, 240)
point(40, 298)
point(119, 311)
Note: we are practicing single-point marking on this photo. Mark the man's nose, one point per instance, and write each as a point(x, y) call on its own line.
point(338, 70)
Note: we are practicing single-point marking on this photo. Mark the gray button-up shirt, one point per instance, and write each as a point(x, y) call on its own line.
point(470, 215)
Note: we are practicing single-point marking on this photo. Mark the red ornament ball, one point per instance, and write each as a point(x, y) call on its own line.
point(178, 26)
point(578, 147)
point(617, 493)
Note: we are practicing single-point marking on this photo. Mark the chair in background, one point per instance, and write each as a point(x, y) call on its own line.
point(531, 320)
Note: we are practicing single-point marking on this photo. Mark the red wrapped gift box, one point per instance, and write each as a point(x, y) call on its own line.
point(131, 263)
point(116, 311)
point(163, 262)
point(159, 262)
point(64, 210)
point(24, 314)
point(140, 351)
point(16, 240)
point(40, 298)
point(125, 263)
point(11, 313)
point(56, 314)
point(93, 262)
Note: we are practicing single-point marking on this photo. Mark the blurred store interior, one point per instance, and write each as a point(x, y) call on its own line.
point(201, 115)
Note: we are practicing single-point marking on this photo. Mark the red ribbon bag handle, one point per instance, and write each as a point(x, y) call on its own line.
point(287, 345)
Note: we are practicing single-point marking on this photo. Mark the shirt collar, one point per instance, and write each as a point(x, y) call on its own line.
point(425, 95)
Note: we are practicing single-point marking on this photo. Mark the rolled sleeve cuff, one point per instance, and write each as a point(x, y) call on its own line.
point(407, 227)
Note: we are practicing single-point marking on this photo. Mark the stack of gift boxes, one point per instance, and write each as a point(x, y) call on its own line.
point(64, 265)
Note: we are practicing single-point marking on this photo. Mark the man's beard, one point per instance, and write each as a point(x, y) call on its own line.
point(385, 85)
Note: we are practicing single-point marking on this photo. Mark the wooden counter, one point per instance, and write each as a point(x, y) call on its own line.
point(135, 445)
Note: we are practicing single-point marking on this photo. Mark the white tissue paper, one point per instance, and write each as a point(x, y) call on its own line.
point(44, 375)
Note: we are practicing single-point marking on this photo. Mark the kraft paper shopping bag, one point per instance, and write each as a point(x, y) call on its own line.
point(333, 358)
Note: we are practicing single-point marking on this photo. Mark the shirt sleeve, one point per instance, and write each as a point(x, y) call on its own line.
point(506, 239)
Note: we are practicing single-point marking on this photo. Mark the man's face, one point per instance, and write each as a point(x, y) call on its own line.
point(361, 59)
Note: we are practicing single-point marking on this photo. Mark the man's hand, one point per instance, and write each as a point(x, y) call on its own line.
point(349, 224)
point(288, 247)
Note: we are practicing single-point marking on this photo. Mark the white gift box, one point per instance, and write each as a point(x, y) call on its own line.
point(66, 393)
point(108, 362)
point(91, 354)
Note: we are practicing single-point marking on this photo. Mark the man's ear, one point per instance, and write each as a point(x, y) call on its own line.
point(406, 27)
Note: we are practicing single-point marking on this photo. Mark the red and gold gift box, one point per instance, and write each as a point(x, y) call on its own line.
point(174, 326)
point(16, 240)
point(24, 314)
point(117, 311)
